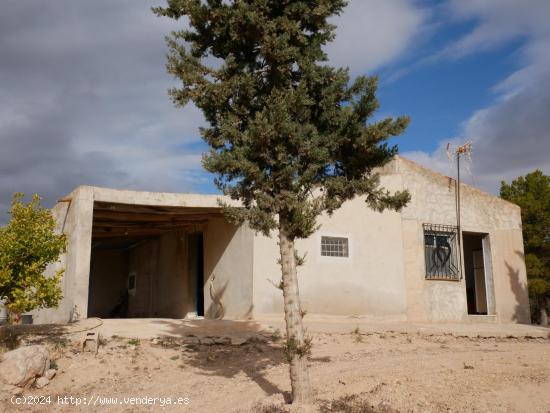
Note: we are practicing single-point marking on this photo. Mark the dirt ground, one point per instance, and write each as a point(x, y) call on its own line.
point(387, 371)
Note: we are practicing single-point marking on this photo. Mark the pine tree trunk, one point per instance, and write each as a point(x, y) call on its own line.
point(543, 312)
point(299, 373)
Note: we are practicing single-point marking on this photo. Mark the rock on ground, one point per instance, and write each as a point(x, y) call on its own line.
point(41, 382)
point(50, 374)
point(21, 366)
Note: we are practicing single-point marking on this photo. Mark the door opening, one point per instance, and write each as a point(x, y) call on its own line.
point(196, 265)
point(475, 273)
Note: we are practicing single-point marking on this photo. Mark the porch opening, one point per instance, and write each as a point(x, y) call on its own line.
point(147, 261)
point(476, 273)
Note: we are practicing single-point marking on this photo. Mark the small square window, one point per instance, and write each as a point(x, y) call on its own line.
point(334, 247)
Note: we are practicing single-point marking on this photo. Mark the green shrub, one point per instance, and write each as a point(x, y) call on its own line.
point(28, 244)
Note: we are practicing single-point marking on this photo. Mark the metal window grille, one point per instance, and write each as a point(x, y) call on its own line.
point(334, 247)
point(440, 247)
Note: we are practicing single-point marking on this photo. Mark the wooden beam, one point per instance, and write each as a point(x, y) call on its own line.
point(107, 223)
point(123, 230)
point(129, 233)
point(141, 217)
point(118, 236)
point(147, 209)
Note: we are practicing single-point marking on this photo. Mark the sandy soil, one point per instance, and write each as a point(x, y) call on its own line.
point(392, 371)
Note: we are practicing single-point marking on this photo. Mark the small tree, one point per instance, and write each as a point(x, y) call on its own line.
point(288, 134)
point(532, 193)
point(28, 244)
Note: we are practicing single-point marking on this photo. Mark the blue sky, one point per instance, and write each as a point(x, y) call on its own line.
point(439, 97)
point(83, 90)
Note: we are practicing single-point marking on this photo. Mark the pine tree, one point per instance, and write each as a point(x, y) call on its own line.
point(532, 193)
point(288, 133)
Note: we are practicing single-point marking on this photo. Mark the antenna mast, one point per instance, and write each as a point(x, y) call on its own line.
point(462, 150)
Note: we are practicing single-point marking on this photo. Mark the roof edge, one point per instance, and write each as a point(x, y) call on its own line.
point(462, 184)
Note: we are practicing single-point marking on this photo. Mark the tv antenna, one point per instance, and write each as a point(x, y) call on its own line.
point(464, 151)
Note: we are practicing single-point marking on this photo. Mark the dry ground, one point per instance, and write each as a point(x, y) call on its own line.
point(402, 371)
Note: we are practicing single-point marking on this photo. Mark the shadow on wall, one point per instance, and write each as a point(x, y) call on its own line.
point(253, 357)
point(227, 271)
point(216, 309)
point(521, 314)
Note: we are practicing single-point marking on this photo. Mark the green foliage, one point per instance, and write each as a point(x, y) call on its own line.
point(292, 347)
point(288, 134)
point(532, 194)
point(276, 336)
point(28, 244)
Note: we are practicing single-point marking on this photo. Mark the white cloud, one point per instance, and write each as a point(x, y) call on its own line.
point(83, 92)
point(372, 33)
point(510, 137)
point(83, 100)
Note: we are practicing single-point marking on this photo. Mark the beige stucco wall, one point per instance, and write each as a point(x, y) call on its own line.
point(511, 298)
point(385, 273)
point(228, 254)
point(384, 277)
point(369, 282)
point(433, 201)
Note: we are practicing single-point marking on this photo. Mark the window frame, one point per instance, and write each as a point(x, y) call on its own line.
point(329, 235)
point(453, 266)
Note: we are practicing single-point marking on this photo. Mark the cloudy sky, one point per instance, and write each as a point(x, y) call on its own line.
point(83, 90)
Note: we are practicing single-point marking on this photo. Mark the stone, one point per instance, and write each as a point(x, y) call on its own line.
point(222, 340)
point(90, 342)
point(41, 382)
point(238, 341)
point(50, 373)
point(21, 366)
point(191, 340)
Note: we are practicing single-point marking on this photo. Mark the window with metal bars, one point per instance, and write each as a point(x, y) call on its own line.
point(334, 247)
point(440, 251)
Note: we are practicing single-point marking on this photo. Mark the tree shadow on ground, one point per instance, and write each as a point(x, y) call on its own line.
point(12, 336)
point(237, 347)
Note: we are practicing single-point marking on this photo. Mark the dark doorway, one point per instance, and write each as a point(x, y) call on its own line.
point(475, 273)
point(196, 267)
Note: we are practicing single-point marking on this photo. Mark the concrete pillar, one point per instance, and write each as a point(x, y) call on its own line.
point(79, 250)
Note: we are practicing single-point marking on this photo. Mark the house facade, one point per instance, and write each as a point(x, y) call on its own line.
point(165, 255)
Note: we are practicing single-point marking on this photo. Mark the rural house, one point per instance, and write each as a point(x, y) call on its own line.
point(167, 255)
